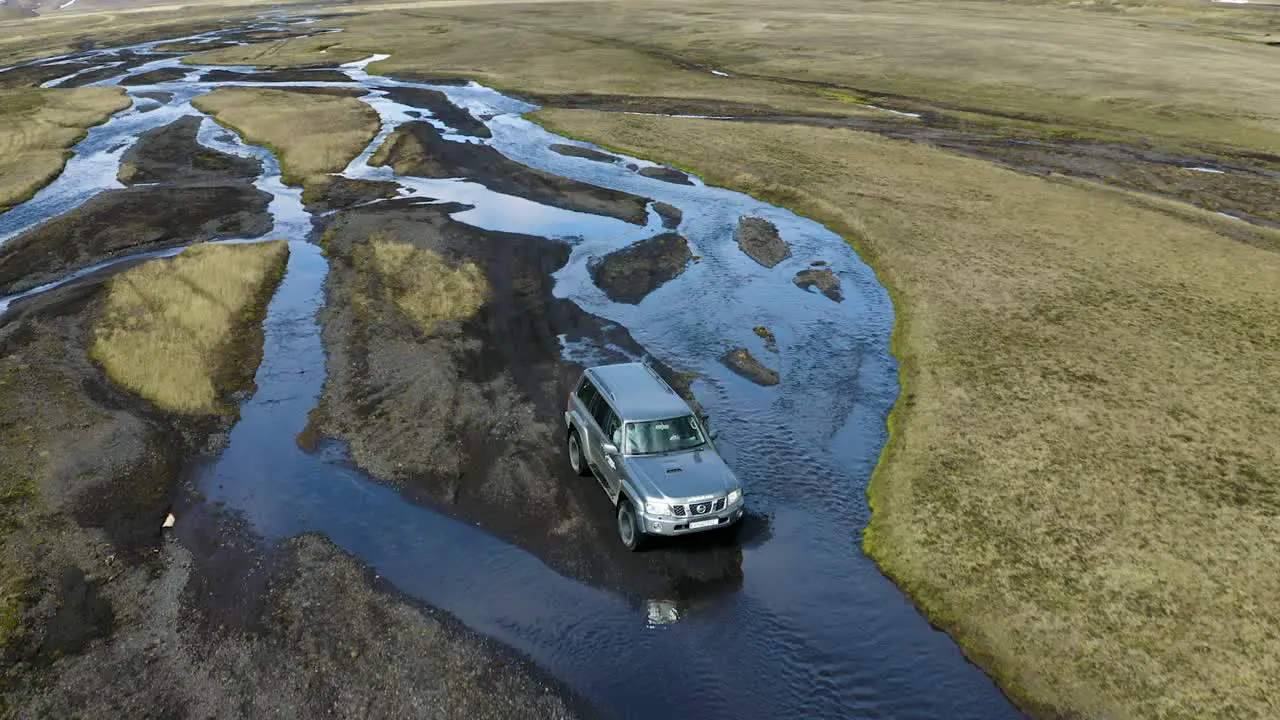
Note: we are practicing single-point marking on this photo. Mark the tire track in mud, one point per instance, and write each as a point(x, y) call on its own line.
point(795, 621)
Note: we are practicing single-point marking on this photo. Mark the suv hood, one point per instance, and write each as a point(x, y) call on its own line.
point(682, 475)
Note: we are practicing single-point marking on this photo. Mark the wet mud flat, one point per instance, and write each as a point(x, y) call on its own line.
point(466, 418)
point(440, 107)
point(1246, 186)
point(418, 149)
point(193, 194)
point(116, 615)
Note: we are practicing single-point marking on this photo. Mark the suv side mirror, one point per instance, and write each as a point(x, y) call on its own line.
point(608, 448)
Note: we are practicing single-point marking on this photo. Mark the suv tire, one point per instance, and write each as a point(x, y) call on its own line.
point(577, 461)
point(629, 531)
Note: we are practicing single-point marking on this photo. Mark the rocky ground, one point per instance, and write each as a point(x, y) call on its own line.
point(826, 281)
point(585, 153)
point(467, 418)
point(759, 239)
point(443, 110)
point(417, 148)
point(106, 613)
point(200, 194)
point(741, 361)
point(630, 274)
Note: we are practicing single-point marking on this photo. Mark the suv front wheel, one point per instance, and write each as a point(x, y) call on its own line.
point(629, 526)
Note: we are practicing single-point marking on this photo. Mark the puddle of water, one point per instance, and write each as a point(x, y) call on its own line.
point(814, 631)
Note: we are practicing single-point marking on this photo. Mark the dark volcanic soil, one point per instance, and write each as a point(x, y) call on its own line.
point(417, 148)
point(163, 75)
point(171, 154)
point(630, 274)
point(93, 469)
point(827, 282)
point(759, 239)
point(468, 419)
point(741, 361)
point(666, 174)
point(127, 60)
point(440, 107)
point(157, 95)
point(34, 75)
point(117, 222)
point(335, 193)
point(670, 214)
point(583, 152)
point(276, 76)
point(706, 107)
point(114, 619)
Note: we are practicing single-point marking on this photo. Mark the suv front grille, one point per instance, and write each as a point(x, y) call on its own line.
point(720, 503)
point(701, 508)
point(677, 510)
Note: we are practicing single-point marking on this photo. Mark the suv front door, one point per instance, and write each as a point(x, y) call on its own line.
point(611, 465)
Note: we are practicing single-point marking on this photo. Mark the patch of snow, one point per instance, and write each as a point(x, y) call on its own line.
point(713, 72)
point(1233, 2)
point(1228, 215)
point(896, 112)
point(66, 4)
point(1215, 171)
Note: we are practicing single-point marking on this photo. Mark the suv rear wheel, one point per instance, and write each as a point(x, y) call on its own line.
point(577, 460)
point(629, 526)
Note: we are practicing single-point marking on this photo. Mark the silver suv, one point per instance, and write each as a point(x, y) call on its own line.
point(650, 452)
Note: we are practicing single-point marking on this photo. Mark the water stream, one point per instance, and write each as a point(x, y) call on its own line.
point(814, 630)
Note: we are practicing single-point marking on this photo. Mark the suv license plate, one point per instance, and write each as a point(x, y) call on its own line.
point(704, 523)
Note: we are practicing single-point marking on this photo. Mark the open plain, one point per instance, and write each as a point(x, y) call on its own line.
point(982, 298)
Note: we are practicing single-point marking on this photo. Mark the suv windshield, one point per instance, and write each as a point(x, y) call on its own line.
point(663, 436)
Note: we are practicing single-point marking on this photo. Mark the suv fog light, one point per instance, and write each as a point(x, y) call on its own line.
point(657, 526)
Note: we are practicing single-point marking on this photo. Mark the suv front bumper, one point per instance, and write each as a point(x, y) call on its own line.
point(671, 525)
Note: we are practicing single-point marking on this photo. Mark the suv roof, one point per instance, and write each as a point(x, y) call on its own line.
point(637, 392)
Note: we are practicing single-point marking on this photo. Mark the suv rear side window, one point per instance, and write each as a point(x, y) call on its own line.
point(589, 396)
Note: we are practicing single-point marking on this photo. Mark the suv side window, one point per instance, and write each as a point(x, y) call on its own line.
point(601, 412)
point(589, 396)
point(613, 428)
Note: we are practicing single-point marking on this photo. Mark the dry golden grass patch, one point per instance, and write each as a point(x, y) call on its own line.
point(36, 129)
point(1083, 480)
point(323, 50)
point(172, 329)
point(1074, 68)
point(65, 31)
point(538, 58)
point(423, 284)
point(310, 134)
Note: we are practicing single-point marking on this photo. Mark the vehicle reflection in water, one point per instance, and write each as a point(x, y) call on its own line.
point(662, 612)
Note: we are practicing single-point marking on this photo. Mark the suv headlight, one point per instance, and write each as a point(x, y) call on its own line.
point(657, 508)
point(735, 496)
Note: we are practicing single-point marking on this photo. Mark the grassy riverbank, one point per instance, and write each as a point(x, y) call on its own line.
point(1071, 69)
point(173, 331)
point(310, 134)
point(37, 127)
point(1081, 481)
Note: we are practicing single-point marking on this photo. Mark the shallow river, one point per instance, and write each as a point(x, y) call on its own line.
point(813, 629)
